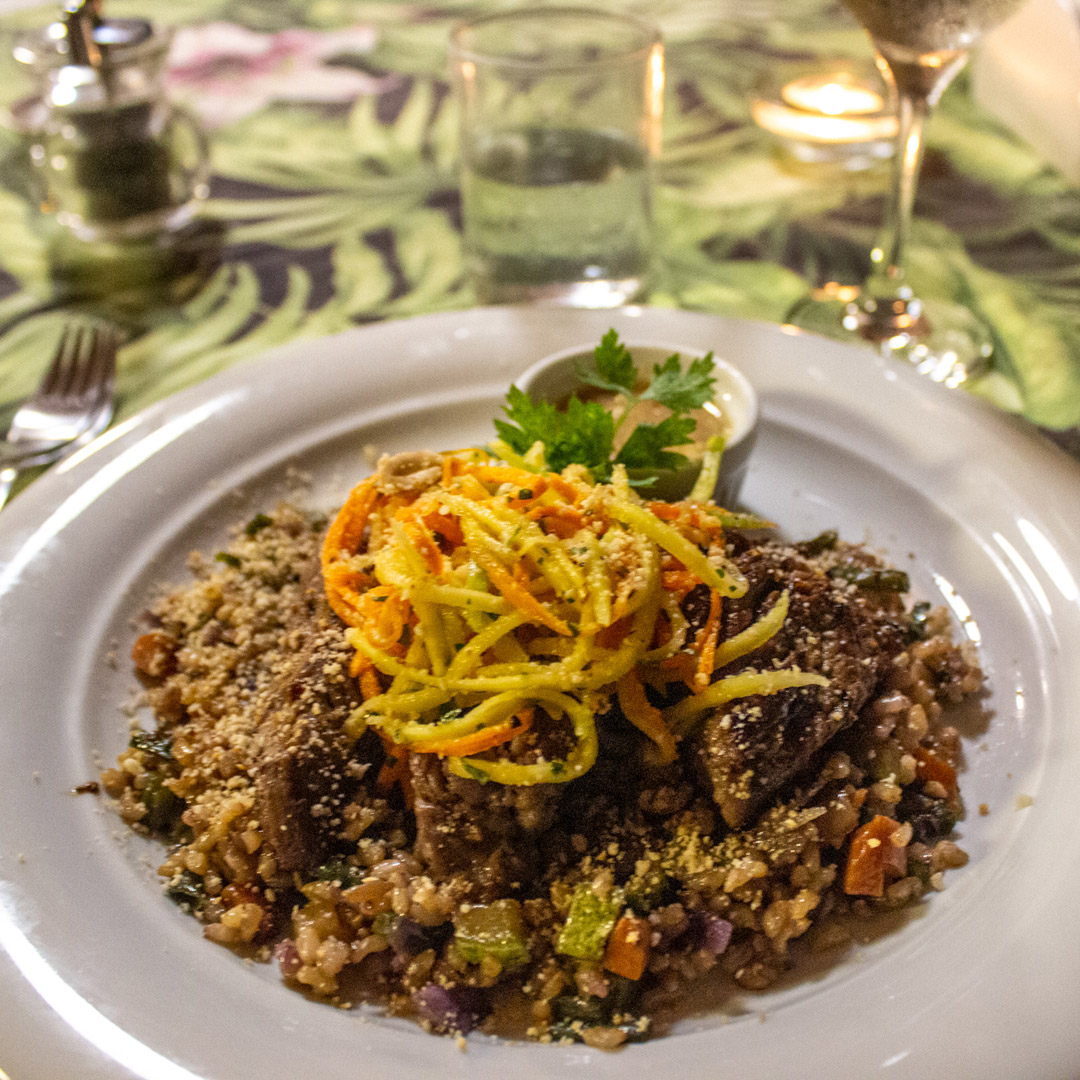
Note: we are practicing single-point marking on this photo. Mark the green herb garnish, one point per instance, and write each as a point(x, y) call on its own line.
point(152, 743)
point(476, 774)
point(448, 711)
point(257, 524)
point(873, 579)
point(584, 433)
point(188, 890)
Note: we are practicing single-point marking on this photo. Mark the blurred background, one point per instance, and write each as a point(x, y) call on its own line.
point(333, 197)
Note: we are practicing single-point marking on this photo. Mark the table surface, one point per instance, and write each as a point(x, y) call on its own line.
point(334, 196)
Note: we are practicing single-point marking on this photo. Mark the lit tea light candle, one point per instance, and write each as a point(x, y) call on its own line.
point(830, 116)
point(835, 95)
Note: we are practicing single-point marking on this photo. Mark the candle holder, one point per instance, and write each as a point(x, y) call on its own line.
point(835, 114)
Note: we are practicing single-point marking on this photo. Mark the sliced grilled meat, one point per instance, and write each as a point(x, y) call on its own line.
point(485, 831)
point(752, 747)
point(303, 779)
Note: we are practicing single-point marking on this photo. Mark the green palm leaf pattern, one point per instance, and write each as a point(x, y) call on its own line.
point(336, 212)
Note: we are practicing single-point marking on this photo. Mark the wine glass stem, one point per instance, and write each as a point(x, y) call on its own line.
point(888, 256)
point(887, 307)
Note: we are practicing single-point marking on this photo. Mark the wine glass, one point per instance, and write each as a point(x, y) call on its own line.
point(921, 45)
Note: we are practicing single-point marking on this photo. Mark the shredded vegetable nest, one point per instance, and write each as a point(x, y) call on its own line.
point(492, 592)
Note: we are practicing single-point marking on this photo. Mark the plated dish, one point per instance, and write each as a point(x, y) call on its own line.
point(514, 744)
point(988, 540)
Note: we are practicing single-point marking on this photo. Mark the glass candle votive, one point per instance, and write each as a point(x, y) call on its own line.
point(840, 116)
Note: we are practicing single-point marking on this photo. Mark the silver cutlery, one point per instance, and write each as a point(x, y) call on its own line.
point(73, 404)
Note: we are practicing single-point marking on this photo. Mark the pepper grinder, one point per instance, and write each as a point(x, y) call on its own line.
point(119, 169)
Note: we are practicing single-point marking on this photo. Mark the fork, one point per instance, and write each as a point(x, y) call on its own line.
point(73, 404)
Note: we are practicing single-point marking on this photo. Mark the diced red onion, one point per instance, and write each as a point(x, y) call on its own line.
point(717, 934)
point(458, 1008)
point(287, 957)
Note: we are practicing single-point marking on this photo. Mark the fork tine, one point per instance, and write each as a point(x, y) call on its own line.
point(101, 371)
point(58, 377)
point(74, 402)
point(83, 379)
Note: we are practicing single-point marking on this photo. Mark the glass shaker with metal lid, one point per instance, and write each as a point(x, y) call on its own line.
point(116, 163)
point(117, 158)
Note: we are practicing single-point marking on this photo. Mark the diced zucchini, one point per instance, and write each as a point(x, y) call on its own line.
point(589, 923)
point(492, 930)
point(886, 761)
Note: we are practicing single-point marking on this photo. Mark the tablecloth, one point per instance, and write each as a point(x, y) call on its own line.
point(334, 190)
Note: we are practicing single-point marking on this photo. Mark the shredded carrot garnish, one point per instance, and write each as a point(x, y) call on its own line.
point(527, 494)
point(347, 530)
point(479, 741)
point(447, 586)
point(445, 526)
point(517, 595)
point(648, 719)
point(344, 589)
point(363, 669)
point(344, 536)
point(507, 474)
point(563, 521)
point(665, 511)
point(450, 467)
point(706, 644)
point(369, 683)
point(384, 613)
point(679, 582)
point(503, 474)
point(691, 514)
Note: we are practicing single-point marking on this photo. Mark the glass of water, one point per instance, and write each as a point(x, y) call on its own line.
point(560, 121)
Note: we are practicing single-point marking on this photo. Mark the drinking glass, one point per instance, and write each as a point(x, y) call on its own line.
point(921, 45)
point(560, 120)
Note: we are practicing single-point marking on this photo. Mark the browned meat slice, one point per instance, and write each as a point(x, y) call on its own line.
point(755, 745)
point(304, 780)
point(486, 832)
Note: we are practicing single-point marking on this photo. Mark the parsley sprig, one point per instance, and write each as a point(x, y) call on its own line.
point(585, 432)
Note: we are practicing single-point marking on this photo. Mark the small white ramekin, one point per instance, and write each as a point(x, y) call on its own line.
point(554, 378)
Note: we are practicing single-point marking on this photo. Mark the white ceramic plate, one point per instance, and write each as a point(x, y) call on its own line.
point(100, 976)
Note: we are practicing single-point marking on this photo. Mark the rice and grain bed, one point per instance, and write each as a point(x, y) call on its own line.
point(369, 873)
